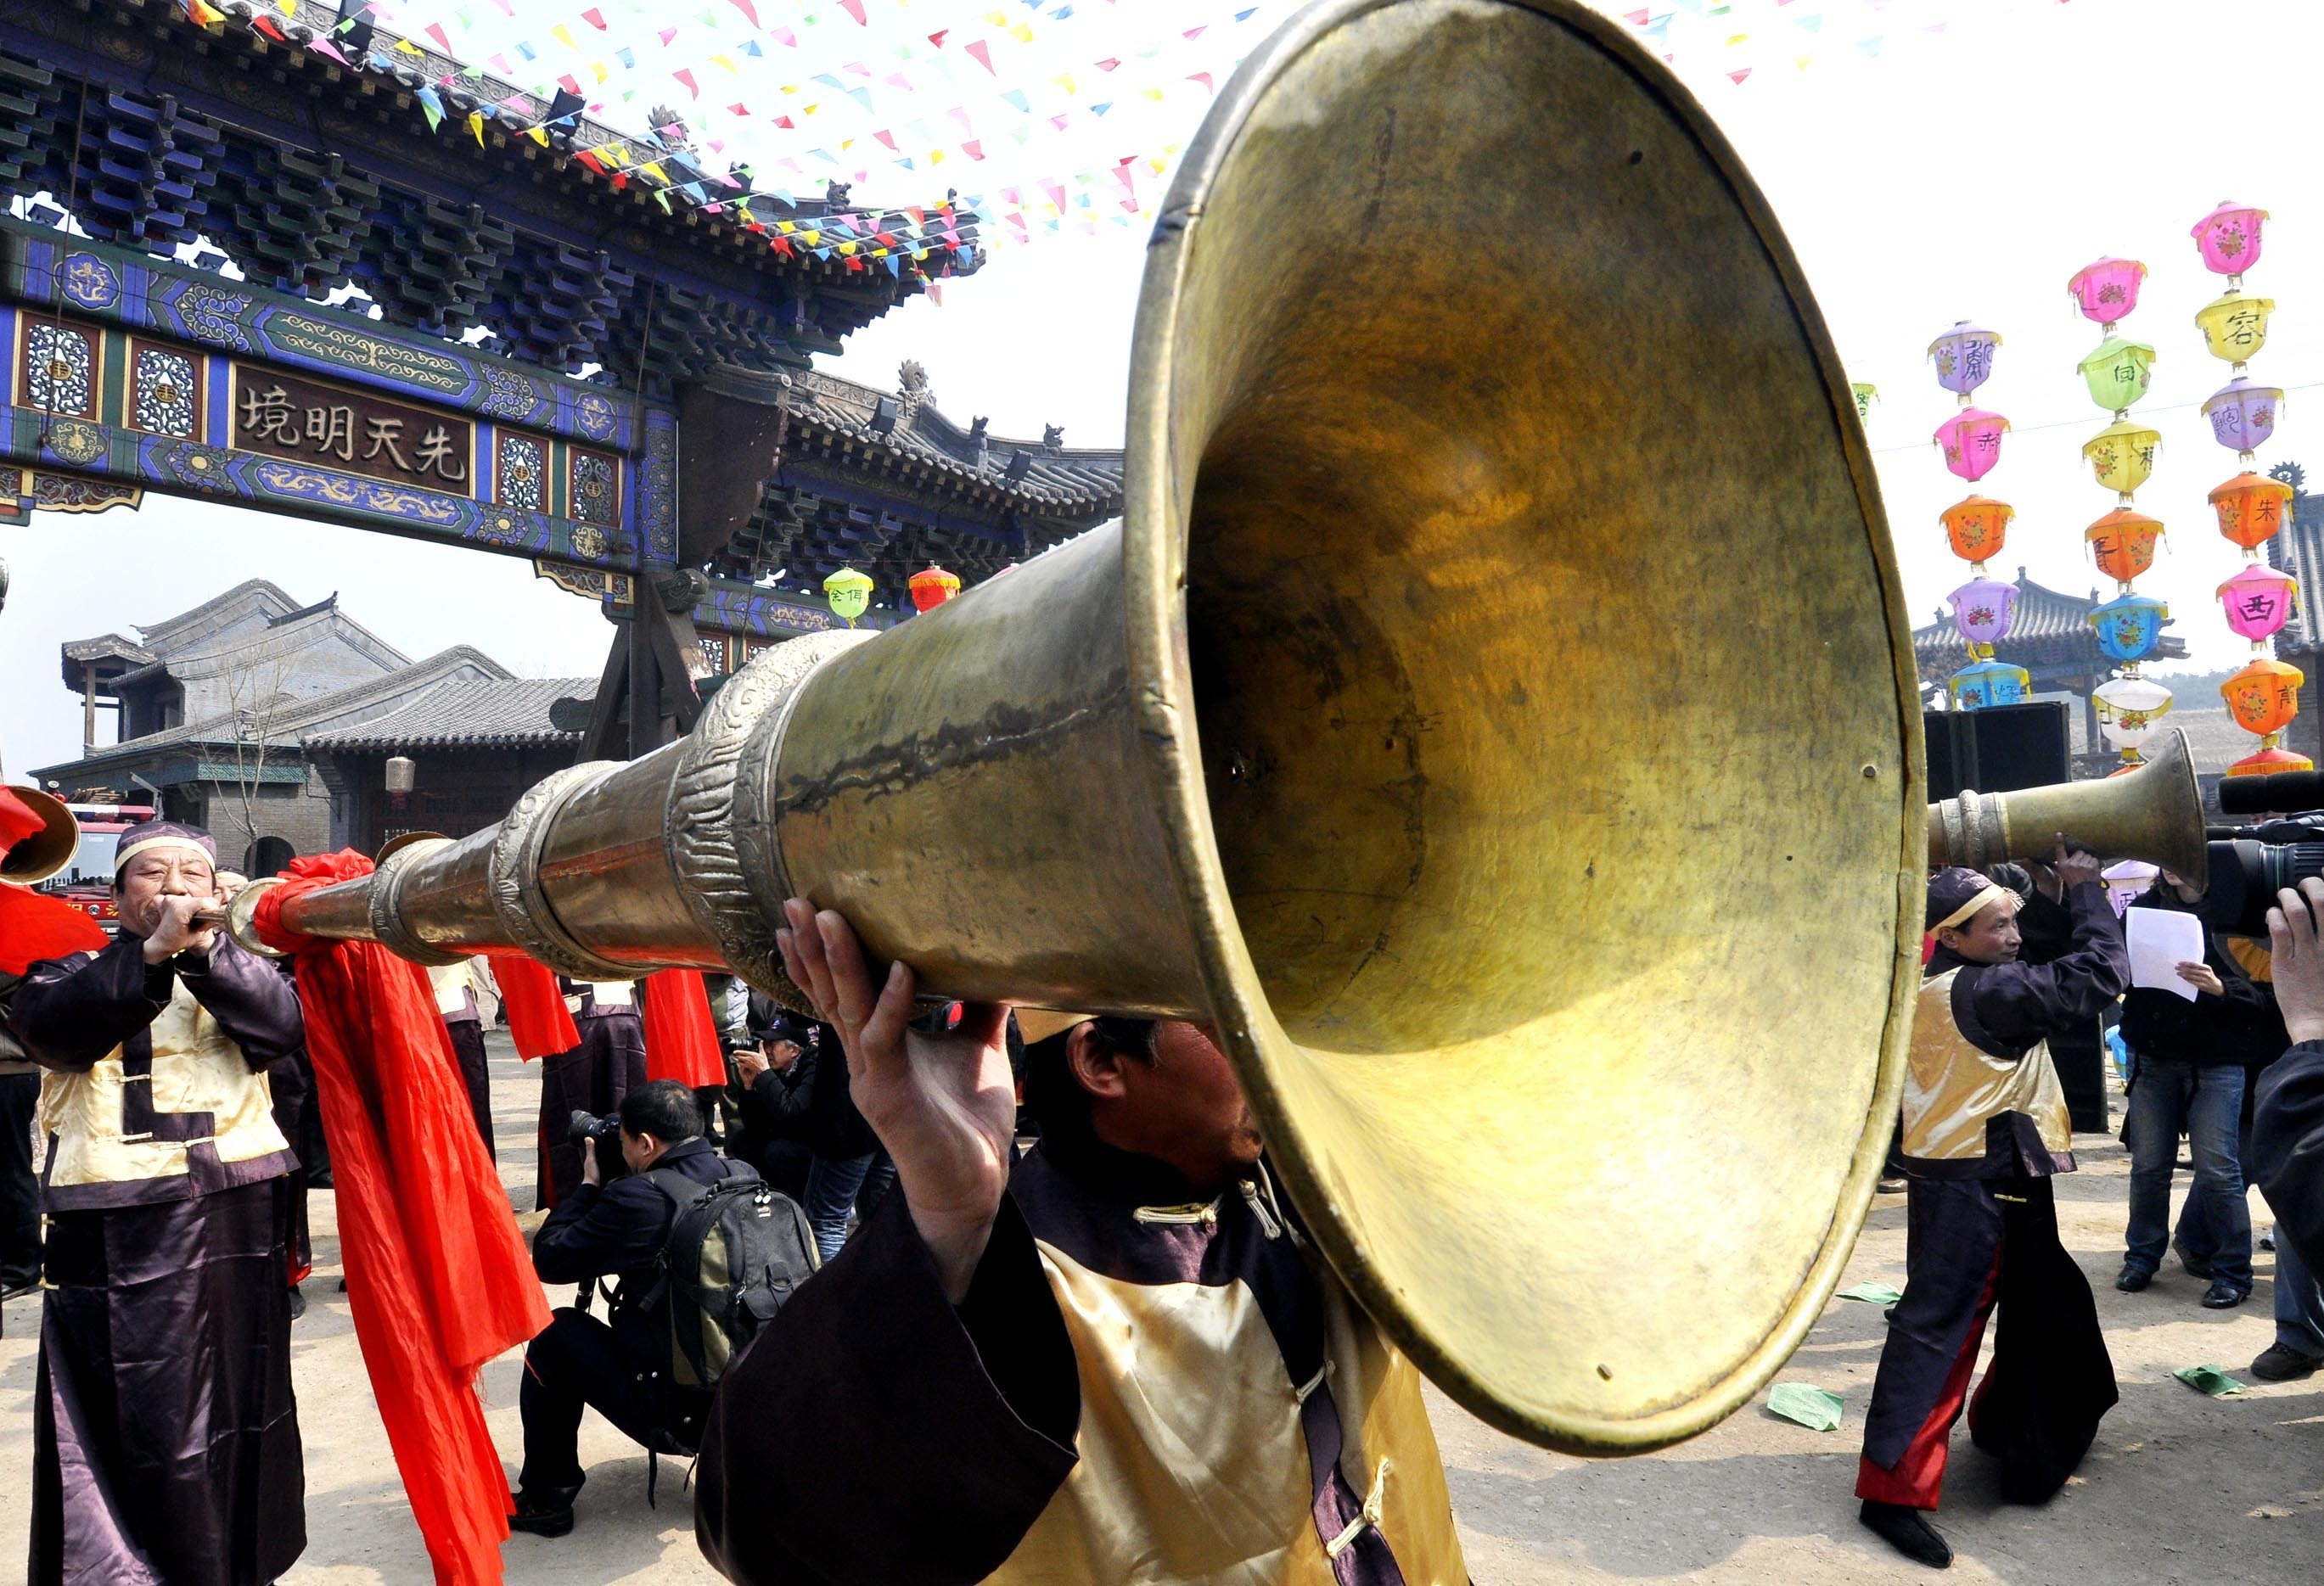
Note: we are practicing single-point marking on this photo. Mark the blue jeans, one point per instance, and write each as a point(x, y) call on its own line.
point(837, 1186)
point(2206, 1101)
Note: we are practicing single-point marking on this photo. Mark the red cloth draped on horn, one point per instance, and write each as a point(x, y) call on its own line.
point(539, 1021)
point(34, 926)
point(438, 1275)
point(681, 1042)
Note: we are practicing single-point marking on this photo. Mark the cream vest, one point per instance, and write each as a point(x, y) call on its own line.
point(1953, 1087)
point(1193, 1470)
point(109, 1124)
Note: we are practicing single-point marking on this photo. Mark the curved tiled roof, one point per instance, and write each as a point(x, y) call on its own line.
point(902, 432)
point(504, 713)
point(2051, 630)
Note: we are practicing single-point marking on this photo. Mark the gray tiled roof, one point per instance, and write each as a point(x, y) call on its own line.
point(2050, 629)
point(504, 713)
point(903, 430)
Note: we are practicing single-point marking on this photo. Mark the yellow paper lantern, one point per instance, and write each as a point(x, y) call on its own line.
point(2234, 326)
point(2122, 455)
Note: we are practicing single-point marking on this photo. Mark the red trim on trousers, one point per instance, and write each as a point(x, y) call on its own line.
point(1919, 1474)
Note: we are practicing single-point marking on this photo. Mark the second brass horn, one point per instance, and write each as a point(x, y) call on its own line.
point(1422, 727)
point(2155, 813)
point(47, 852)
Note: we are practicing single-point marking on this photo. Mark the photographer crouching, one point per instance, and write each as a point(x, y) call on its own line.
point(621, 1371)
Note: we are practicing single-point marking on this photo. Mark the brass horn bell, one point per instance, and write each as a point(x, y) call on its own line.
point(47, 852)
point(1415, 729)
point(2155, 813)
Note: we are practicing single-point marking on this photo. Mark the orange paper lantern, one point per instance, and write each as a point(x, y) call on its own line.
point(932, 586)
point(2264, 697)
point(2268, 761)
point(2124, 543)
point(2251, 508)
point(1977, 526)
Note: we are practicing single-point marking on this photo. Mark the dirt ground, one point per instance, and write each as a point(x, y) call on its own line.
point(2180, 1487)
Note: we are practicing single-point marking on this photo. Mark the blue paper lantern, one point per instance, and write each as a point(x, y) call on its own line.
point(1990, 682)
point(2130, 627)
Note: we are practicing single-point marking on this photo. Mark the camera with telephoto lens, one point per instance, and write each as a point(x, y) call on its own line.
point(2250, 866)
point(600, 1137)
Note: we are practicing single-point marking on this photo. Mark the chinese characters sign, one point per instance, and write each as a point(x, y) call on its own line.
point(355, 432)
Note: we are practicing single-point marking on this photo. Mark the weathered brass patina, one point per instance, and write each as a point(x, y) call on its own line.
point(1495, 714)
point(2155, 813)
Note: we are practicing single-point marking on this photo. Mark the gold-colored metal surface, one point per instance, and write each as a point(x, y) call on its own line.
point(46, 853)
point(2155, 813)
point(1495, 715)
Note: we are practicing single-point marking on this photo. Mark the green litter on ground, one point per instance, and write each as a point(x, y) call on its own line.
point(2210, 1379)
point(1872, 1294)
point(1815, 1408)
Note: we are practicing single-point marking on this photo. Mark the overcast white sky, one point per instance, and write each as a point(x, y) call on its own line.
point(1963, 173)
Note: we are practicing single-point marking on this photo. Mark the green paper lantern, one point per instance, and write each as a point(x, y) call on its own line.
point(2118, 373)
point(849, 593)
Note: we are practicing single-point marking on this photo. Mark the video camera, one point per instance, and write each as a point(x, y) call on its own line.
point(600, 1137)
point(2250, 864)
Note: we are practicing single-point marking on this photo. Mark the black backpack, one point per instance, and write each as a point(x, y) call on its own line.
point(736, 1251)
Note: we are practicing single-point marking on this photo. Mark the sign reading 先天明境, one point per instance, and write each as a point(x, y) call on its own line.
point(355, 431)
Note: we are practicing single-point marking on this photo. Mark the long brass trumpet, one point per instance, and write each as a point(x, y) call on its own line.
point(1537, 923)
point(2155, 813)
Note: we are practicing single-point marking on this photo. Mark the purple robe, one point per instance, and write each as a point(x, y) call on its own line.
point(165, 1435)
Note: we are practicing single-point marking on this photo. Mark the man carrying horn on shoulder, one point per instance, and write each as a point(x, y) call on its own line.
point(1985, 1129)
point(1122, 1359)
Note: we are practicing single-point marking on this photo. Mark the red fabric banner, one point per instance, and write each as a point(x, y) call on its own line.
point(438, 1275)
point(537, 1021)
point(34, 926)
point(681, 1041)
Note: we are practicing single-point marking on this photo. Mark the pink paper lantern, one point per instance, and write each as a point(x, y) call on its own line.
point(2242, 414)
point(2108, 290)
point(2258, 600)
point(1983, 610)
point(1971, 441)
point(2228, 238)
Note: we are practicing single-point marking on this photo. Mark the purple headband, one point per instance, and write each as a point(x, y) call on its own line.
point(137, 839)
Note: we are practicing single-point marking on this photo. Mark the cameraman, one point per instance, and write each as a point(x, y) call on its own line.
point(775, 1078)
point(610, 1231)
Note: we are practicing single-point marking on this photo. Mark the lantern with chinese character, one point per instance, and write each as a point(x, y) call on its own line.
point(2243, 415)
point(1988, 683)
point(932, 586)
point(849, 593)
point(1964, 357)
point(2122, 455)
point(2251, 508)
point(2235, 326)
point(2130, 712)
point(2264, 697)
point(2228, 238)
point(1977, 526)
point(1983, 610)
point(2130, 627)
point(2123, 541)
point(2118, 373)
point(1971, 441)
point(1865, 395)
point(2108, 290)
point(2258, 601)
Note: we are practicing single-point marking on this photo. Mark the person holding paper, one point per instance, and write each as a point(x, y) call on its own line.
point(1985, 1128)
point(2195, 1023)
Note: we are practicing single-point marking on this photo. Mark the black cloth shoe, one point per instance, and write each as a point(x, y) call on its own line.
point(546, 1513)
point(1908, 1533)
point(1896, 1184)
point(2280, 1362)
point(2285, 1364)
point(2132, 1279)
point(2197, 1266)
point(298, 1303)
point(2223, 1296)
point(13, 1287)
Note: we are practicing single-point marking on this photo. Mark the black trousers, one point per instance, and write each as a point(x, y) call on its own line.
point(20, 1191)
point(577, 1361)
point(476, 1073)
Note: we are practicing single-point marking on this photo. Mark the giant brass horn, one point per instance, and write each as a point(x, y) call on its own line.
point(2155, 813)
point(1425, 726)
point(47, 852)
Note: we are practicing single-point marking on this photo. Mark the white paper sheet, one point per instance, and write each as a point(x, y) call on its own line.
point(2161, 940)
